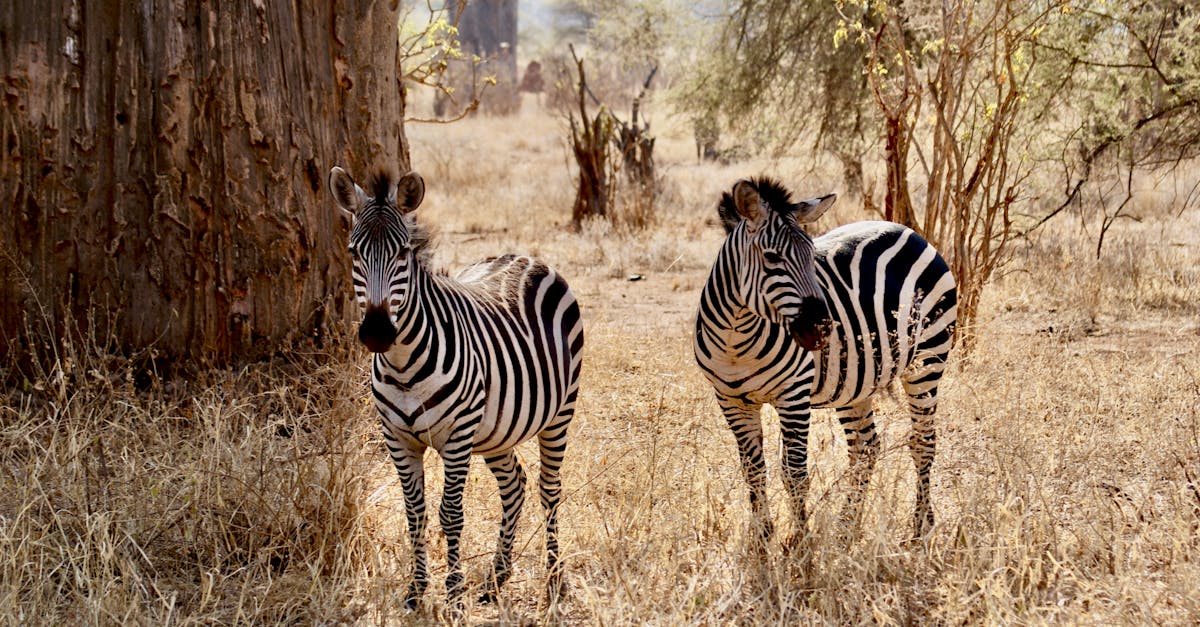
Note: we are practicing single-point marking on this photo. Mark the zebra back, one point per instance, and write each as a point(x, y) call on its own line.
point(893, 300)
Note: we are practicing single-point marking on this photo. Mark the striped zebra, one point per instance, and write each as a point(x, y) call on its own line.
point(827, 323)
point(474, 364)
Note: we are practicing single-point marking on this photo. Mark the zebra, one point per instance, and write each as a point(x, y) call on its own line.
point(827, 323)
point(468, 365)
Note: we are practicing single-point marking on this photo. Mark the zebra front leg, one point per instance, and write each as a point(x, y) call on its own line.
point(511, 479)
point(457, 461)
point(793, 433)
point(410, 466)
point(745, 420)
point(921, 391)
point(552, 442)
point(859, 424)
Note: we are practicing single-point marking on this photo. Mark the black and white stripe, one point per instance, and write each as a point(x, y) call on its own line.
point(469, 365)
point(828, 323)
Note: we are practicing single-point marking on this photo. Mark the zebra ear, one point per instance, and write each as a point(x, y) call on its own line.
point(348, 195)
point(410, 191)
point(748, 203)
point(727, 212)
point(813, 208)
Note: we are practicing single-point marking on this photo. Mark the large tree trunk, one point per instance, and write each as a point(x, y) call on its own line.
point(896, 201)
point(488, 29)
point(163, 169)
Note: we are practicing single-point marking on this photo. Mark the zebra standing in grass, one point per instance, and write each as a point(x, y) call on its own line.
point(475, 364)
point(802, 323)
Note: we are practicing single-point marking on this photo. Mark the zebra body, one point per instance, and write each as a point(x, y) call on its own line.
point(890, 300)
point(870, 343)
point(479, 345)
point(468, 365)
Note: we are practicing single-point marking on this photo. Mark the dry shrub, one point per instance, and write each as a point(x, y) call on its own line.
point(633, 208)
point(1066, 486)
point(233, 497)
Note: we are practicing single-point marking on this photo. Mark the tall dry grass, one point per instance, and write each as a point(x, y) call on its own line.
point(1066, 485)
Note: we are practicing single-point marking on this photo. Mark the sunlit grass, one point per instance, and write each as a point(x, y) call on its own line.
point(1065, 483)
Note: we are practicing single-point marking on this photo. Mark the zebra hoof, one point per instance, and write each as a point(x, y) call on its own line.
point(412, 599)
point(762, 535)
point(922, 525)
point(554, 585)
point(455, 612)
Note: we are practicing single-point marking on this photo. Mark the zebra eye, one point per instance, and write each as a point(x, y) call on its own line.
point(772, 257)
point(353, 253)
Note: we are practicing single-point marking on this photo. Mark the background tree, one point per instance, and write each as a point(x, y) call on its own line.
point(963, 109)
point(614, 151)
point(164, 165)
point(1127, 80)
point(774, 72)
point(487, 31)
point(993, 115)
point(590, 139)
point(1000, 85)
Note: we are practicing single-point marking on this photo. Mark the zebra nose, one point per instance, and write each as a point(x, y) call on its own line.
point(810, 327)
point(377, 331)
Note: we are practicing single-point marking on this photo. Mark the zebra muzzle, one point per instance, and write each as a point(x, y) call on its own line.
point(811, 328)
point(377, 332)
point(811, 337)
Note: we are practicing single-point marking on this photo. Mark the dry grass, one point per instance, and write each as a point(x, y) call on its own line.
point(1065, 488)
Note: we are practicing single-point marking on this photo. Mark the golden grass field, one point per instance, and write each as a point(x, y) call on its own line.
point(1067, 482)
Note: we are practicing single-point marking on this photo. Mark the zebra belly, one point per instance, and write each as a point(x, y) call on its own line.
point(520, 403)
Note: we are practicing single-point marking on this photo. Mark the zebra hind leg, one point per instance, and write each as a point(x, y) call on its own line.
point(510, 477)
point(863, 443)
point(552, 442)
point(921, 389)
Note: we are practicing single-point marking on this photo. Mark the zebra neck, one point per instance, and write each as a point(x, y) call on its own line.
point(421, 347)
point(721, 296)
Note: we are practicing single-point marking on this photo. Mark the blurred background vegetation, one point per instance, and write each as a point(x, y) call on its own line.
point(222, 464)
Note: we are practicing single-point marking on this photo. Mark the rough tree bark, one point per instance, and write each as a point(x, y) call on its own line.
point(897, 100)
point(896, 201)
point(163, 164)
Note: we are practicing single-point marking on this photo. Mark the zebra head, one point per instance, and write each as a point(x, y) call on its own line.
point(381, 245)
point(776, 278)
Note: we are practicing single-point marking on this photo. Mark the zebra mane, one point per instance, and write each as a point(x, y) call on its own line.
point(380, 185)
point(421, 236)
point(777, 197)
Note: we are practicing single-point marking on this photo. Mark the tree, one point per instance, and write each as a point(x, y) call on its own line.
point(488, 28)
point(164, 165)
point(590, 138)
point(774, 72)
point(612, 155)
point(1128, 79)
point(970, 99)
point(487, 32)
point(1000, 87)
point(971, 80)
